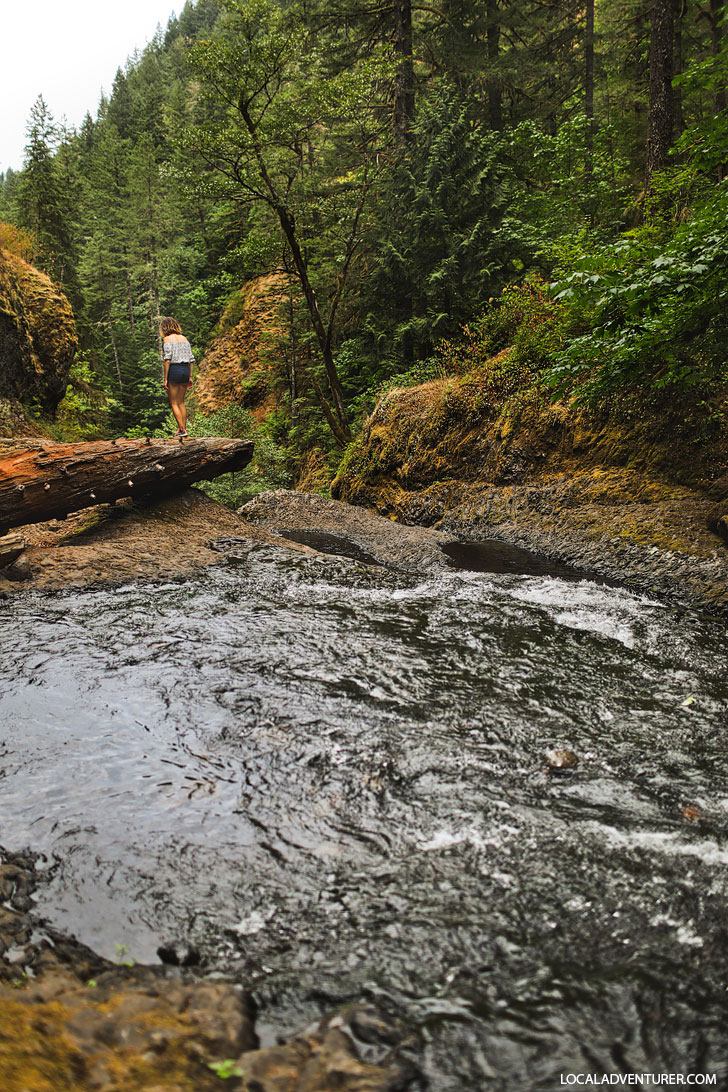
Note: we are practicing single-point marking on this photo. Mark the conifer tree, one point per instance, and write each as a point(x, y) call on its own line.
point(41, 202)
point(443, 250)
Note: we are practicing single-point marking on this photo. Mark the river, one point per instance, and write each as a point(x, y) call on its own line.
point(330, 778)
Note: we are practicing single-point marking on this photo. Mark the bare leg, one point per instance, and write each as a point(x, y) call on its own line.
point(177, 392)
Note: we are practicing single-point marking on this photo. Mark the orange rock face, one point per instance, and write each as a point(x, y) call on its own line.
point(236, 368)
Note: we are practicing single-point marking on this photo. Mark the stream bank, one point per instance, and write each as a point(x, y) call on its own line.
point(638, 501)
point(72, 1020)
point(113, 544)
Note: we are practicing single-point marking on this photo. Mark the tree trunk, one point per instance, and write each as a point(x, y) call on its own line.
point(495, 106)
point(41, 480)
point(113, 344)
point(339, 422)
point(129, 300)
point(589, 106)
point(720, 96)
point(659, 121)
point(340, 426)
point(404, 80)
point(679, 117)
point(589, 78)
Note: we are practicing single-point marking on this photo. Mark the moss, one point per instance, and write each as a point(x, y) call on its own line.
point(38, 1052)
point(238, 366)
point(37, 335)
point(478, 432)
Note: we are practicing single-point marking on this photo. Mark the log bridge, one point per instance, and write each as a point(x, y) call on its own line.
point(42, 480)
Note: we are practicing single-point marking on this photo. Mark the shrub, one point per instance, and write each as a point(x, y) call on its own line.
point(18, 241)
point(653, 311)
point(267, 469)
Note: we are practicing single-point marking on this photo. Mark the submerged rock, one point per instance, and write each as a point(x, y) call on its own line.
point(559, 760)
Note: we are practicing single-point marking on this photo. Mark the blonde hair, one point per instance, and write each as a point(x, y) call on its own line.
point(169, 326)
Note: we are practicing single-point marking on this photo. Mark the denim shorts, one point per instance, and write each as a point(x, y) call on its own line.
point(178, 373)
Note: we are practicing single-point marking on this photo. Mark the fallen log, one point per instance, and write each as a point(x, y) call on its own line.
point(41, 480)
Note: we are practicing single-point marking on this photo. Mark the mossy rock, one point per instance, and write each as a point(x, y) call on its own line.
point(37, 336)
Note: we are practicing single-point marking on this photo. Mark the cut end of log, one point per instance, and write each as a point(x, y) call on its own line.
point(11, 547)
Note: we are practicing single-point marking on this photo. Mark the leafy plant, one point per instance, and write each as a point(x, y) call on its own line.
point(226, 1069)
point(122, 951)
point(654, 313)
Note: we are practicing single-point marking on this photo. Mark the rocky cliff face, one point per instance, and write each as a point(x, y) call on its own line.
point(235, 369)
point(37, 337)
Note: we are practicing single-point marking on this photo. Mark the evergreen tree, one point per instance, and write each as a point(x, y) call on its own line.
point(443, 249)
point(41, 201)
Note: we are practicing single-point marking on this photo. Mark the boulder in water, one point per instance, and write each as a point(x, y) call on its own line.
point(560, 760)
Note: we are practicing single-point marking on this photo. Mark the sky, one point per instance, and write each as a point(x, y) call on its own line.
point(67, 52)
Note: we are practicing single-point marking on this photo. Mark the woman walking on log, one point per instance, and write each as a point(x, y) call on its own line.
point(179, 365)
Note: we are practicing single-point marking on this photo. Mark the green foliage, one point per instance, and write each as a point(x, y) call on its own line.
point(526, 319)
point(83, 413)
point(653, 312)
point(42, 200)
point(705, 143)
point(226, 1069)
point(122, 955)
point(267, 470)
point(568, 187)
point(442, 247)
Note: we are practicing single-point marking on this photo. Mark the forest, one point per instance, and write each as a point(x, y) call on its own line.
point(432, 183)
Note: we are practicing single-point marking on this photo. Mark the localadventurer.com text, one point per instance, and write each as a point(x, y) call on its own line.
point(646, 1080)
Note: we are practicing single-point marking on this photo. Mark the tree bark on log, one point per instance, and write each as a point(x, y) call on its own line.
point(41, 480)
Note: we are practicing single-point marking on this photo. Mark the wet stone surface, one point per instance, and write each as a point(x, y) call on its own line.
point(72, 1020)
point(494, 556)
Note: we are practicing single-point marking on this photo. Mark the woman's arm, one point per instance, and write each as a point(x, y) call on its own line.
point(167, 356)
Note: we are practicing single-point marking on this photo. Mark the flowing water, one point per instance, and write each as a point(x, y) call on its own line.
point(330, 778)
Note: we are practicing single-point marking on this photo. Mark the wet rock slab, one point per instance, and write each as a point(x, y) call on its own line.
point(362, 534)
point(122, 543)
point(71, 1021)
point(333, 527)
